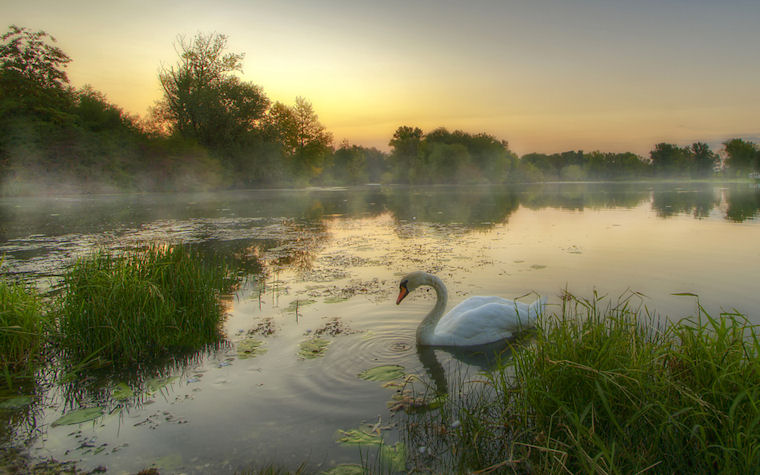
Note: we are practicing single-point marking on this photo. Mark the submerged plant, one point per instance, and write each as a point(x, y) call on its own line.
point(22, 327)
point(142, 304)
point(607, 390)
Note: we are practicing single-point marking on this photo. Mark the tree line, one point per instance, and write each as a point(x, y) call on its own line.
point(211, 129)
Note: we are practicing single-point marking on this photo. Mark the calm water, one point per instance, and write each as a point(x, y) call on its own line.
point(340, 254)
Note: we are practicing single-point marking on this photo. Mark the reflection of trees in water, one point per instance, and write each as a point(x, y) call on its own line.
point(475, 207)
point(742, 203)
point(579, 196)
point(698, 201)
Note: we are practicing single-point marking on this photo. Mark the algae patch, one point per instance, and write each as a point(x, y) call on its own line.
point(313, 348)
point(383, 373)
point(250, 348)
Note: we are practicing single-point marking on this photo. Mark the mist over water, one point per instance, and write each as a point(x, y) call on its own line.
point(323, 254)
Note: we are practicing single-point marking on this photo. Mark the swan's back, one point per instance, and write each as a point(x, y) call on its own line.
point(481, 320)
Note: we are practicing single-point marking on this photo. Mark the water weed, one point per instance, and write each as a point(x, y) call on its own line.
point(142, 304)
point(23, 325)
point(607, 390)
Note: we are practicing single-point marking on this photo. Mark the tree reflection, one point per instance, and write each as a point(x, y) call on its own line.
point(742, 203)
point(698, 202)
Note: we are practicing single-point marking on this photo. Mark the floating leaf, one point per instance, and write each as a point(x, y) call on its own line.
point(123, 392)
point(335, 299)
point(345, 469)
point(156, 384)
point(312, 348)
point(383, 373)
point(250, 348)
point(16, 402)
point(79, 416)
point(538, 266)
point(359, 437)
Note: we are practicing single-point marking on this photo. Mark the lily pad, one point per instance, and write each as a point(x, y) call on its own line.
point(79, 416)
point(345, 469)
point(250, 348)
point(156, 384)
point(383, 373)
point(16, 402)
point(123, 392)
point(359, 437)
point(296, 304)
point(313, 348)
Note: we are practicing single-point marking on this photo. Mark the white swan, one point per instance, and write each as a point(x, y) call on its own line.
point(475, 321)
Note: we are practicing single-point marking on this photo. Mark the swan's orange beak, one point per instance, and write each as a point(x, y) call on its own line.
point(403, 293)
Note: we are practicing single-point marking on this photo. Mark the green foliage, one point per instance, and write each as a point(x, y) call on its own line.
point(23, 325)
point(742, 155)
point(605, 390)
point(143, 304)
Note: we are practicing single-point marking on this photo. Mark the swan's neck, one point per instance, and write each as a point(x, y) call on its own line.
point(427, 327)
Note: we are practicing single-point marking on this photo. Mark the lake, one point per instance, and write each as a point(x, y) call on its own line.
point(328, 262)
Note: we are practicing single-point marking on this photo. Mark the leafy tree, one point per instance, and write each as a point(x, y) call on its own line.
point(203, 99)
point(742, 155)
point(32, 56)
point(406, 147)
point(349, 164)
point(304, 141)
point(704, 159)
point(670, 160)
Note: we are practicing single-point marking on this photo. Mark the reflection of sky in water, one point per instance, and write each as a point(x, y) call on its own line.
point(342, 254)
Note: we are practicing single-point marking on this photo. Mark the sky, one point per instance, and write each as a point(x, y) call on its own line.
point(546, 75)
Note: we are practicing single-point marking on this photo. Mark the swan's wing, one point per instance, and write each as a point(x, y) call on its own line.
point(477, 325)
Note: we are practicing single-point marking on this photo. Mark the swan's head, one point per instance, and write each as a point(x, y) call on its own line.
point(411, 282)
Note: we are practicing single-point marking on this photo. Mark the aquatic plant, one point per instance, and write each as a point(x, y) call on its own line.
point(22, 326)
point(141, 304)
point(607, 391)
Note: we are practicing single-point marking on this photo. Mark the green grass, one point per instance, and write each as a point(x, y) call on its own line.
point(129, 307)
point(22, 327)
point(608, 391)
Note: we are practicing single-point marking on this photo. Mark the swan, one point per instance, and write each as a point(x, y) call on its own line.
point(475, 321)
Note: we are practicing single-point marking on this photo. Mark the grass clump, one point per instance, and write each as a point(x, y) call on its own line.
point(23, 324)
point(607, 391)
point(141, 304)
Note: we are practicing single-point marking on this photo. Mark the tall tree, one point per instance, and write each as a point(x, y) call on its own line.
point(203, 99)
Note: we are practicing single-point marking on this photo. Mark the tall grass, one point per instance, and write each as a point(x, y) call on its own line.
point(22, 327)
point(609, 391)
point(137, 305)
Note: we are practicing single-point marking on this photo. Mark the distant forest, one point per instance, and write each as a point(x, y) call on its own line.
point(212, 130)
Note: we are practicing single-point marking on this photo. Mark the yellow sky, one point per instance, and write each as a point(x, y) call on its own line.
point(547, 76)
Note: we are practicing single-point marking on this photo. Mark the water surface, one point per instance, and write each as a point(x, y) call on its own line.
point(340, 254)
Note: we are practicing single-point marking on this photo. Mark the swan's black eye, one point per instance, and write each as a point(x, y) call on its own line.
point(403, 284)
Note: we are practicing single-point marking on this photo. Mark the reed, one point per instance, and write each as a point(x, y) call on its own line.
point(138, 305)
point(22, 328)
point(608, 390)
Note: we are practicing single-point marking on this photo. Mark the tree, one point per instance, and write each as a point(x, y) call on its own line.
point(203, 100)
point(704, 159)
point(405, 155)
point(670, 160)
point(31, 56)
point(304, 141)
point(742, 155)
